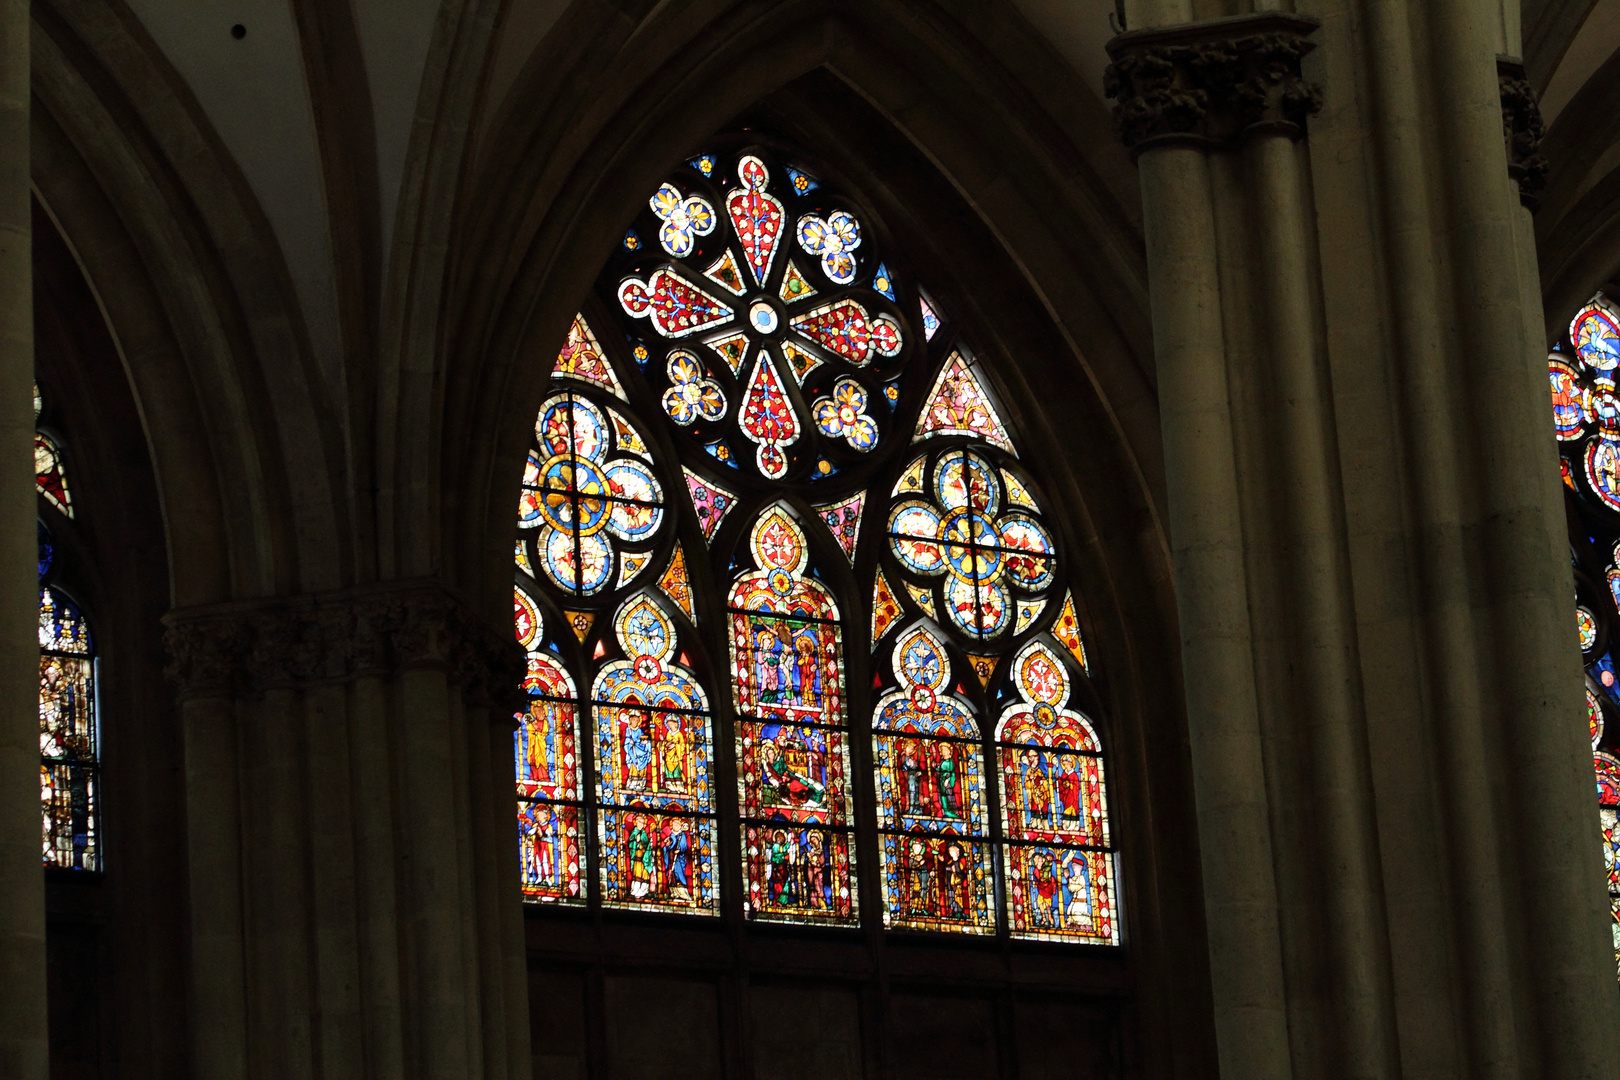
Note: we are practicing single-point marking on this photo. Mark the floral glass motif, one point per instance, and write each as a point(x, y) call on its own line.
point(982, 552)
point(750, 306)
point(684, 219)
point(692, 395)
point(1054, 808)
point(792, 750)
point(69, 773)
point(833, 238)
point(938, 868)
point(551, 820)
point(653, 764)
point(582, 493)
point(843, 415)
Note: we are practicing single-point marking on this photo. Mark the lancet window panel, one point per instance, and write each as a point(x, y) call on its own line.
point(792, 738)
point(764, 448)
point(69, 731)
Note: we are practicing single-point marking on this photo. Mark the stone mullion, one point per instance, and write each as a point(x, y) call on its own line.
point(23, 1036)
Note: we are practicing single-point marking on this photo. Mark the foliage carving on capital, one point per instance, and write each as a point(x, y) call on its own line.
point(1212, 83)
point(1521, 130)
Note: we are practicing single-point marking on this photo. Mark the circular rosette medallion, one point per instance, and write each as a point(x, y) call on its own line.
point(590, 491)
point(984, 553)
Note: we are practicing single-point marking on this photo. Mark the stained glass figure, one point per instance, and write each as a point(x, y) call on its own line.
point(958, 405)
point(788, 687)
point(982, 552)
point(711, 502)
point(69, 774)
point(654, 760)
point(932, 809)
point(551, 822)
point(844, 519)
point(1570, 399)
point(583, 492)
point(50, 475)
point(581, 358)
point(1054, 804)
point(757, 216)
point(1595, 333)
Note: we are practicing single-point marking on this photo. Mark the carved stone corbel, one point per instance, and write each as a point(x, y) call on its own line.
point(1212, 83)
point(1521, 130)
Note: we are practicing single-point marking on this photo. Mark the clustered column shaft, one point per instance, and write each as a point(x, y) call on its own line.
point(1397, 837)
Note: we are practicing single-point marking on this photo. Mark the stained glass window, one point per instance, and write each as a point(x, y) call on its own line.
point(68, 735)
point(938, 868)
point(764, 451)
point(50, 475)
point(1586, 424)
point(792, 747)
point(551, 820)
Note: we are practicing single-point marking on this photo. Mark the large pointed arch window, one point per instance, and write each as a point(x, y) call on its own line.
point(774, 525)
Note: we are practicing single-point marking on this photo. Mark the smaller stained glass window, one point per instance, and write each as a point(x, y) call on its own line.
point(1060, 871)
point(654, 770)
point(551, 818)
point(68, 736)
point(792, 750)
point(938, 864)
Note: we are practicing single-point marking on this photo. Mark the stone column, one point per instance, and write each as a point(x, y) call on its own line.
point(352, 914)
point(1396, 819)
point(23, 1048)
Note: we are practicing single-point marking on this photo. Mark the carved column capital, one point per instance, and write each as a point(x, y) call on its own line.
point(252, 646)
point(1521, 130)
point(1212, 83)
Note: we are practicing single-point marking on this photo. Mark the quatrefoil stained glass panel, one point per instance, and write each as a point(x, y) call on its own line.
point(760, 434)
